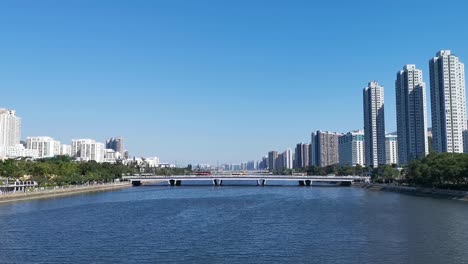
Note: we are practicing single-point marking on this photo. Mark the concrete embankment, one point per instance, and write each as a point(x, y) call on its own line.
point(428, 192)
point(60, 192)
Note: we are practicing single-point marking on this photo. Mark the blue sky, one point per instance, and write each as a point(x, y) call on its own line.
point(206, 80)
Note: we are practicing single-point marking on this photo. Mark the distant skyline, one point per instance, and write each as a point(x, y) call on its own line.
point(207, 81)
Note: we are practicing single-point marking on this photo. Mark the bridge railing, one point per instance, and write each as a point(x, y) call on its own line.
point(243, 176)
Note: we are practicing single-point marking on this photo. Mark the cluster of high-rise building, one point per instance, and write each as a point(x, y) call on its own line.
point(80, 149)
point(46, 147)
point(278, 161)
point(373, 146)
point(369, 147)
point(448, 109)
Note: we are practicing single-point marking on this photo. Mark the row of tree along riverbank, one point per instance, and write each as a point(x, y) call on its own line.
point(444, 171)
point(64, 171)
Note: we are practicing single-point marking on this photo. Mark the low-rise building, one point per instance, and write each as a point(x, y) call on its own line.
point(152, 162)
point(46, 147)
point(391, 149)
point(19, 150)
point(110, 156)
point(87, 150)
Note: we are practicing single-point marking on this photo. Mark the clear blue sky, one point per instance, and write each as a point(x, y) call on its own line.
point(207, 81)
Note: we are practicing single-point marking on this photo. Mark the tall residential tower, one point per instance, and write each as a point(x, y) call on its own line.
point(374, 124)
point(10, 130)
point(272, 156)
point(116, 144)
point(324, 148)
point(448, 103)
point(302, 153)
point(411, 114)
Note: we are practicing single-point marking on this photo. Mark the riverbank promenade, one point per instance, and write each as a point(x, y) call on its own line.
point(60, 191)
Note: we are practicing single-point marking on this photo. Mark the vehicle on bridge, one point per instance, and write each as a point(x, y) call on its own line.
point(203, 173)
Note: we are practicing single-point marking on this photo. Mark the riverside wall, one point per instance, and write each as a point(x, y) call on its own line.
point(418, 191)
point(60, 192)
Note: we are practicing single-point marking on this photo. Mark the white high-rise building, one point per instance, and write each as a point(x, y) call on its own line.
point(465, 140)
point(411, 114)
point(288, 159)
point(88, 149)
point(10, 130)
point(66, 150)
point(46, 146)
point(391, 147)
point(448, 102)
point(374, 125)
point(351, 148)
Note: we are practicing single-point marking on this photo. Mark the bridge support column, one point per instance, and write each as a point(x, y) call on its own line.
point(345, 183)
point(136, 183)
point(261, 182)
point(178, 182)
point(308, 182)
point(220, 182)
point(172, 182)
point(216, 182)
point(301, 183)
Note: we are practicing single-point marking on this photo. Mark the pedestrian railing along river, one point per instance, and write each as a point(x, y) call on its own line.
point(260, 180)
point(13, 191)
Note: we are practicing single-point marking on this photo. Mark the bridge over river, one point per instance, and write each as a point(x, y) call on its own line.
point(260, 180)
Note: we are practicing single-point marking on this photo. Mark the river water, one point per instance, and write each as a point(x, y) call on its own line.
point(233, 224)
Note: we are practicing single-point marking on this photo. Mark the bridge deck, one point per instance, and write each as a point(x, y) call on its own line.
point(248, 178)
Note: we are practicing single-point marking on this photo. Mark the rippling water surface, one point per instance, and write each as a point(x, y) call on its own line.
point(235, 225)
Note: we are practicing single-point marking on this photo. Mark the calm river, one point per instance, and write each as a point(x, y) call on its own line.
point(233, 224)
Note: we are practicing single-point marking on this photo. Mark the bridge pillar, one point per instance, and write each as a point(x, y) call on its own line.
point(172, 182)
point(308, 182)
point(345, 183)
point(216, 182)
point(301, 183)
point(261, 182)
point(136, 183)
point(178, 182)
point(220, 182)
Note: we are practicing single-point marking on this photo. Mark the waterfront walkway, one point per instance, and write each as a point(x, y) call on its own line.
point(261, 180)
point(59, 191)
